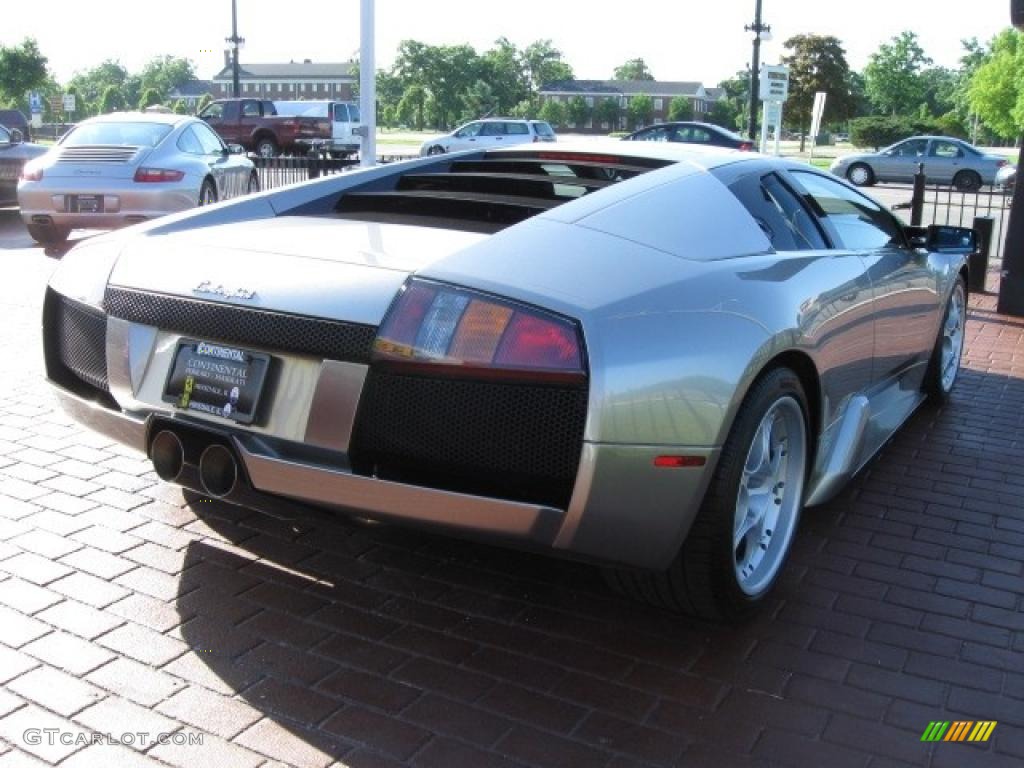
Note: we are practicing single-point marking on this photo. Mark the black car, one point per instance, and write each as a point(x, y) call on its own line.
point(692, 133)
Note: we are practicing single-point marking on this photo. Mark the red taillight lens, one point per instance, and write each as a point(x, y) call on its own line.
point(433, 324)
point(156, 175)
point(747, 146)
point(32, 172)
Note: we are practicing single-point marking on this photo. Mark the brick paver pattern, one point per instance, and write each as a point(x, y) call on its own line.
point(128, 607)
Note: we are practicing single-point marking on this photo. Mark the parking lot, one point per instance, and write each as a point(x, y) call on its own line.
point(130, 608)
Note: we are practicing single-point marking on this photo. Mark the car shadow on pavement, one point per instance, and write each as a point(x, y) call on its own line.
point(371, 641)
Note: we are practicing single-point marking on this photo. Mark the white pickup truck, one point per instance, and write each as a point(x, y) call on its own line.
point(344, 118)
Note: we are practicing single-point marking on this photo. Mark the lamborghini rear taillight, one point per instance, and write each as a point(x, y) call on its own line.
point(431, 324)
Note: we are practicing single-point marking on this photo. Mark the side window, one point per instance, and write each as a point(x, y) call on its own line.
point(946, 149)
point(188, 142)
point(656, 134)
point(250, 109)
point(516, 129)
point(210, 141)
point(473, 129)
point(910, 148)
point(700, 136)
point(493, 129)
point(213, 112)
point(779, 212)
point(340, 113)
point(859, 223)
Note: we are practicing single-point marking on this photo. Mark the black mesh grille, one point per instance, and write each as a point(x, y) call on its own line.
point(81, 341)
point(512, 440)
point(348, 342)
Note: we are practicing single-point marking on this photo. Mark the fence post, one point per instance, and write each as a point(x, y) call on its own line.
point(978, 261)
point(314, 163)
point(917, 201)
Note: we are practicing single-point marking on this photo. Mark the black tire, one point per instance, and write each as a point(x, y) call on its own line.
point(254, 184)
point(702, 580)
point(48, 235)
point(437, 149)
point(967, 181)
point(266, 147)
point(860, 175)
point(207, 193)
point(938, 381)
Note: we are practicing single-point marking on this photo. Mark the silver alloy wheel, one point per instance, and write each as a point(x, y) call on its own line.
point(770, 495)
point(860, 175)
point(952, 338)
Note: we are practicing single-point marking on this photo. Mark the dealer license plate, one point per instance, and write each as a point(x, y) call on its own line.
point(85, 203)
point(217, 379)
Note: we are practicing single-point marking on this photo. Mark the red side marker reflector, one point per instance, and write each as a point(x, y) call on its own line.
point(679, 462)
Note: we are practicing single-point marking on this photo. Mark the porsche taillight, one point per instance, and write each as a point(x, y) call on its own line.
point(431, 324)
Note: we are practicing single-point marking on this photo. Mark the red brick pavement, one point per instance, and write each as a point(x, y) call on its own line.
point(126, 607)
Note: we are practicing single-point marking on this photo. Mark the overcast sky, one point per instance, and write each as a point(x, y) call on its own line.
point(679, 40)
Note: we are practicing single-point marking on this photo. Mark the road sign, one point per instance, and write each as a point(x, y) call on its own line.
point(35, 102)
point(816, 112)
point(56, 104)
point(69, 102)
point(774, 83)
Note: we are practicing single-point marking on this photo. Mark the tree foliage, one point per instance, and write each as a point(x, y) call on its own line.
point(680, 108)
point(995, 90)
point(640, 110)
point(817, 63)
point(607, 112)
point(22, 69)
point(111, 100)
point(577, 111)
point(554, 112)
point(881, 131)
point(149, 98)
point(634, 69)
point(544, 64)
point(893, 79)
point(165, 73)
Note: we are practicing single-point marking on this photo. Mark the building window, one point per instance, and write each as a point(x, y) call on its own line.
point(245, 87)
point(659, 104)
point(590, 101)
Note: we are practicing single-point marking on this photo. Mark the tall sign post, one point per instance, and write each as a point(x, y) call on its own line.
point(367, 85)
point(773, 91)
point(817, 111)
point(236, 42)
point(1011, 282)
point(761, 32)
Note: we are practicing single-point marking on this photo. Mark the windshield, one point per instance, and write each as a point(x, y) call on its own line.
point(117, 134)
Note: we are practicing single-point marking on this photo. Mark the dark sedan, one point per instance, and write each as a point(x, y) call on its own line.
point(692, 133)
point(14, 153)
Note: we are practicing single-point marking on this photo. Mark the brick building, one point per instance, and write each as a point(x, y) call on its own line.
point(289, 81)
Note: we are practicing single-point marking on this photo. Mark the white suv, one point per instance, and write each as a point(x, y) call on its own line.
point(489, 133)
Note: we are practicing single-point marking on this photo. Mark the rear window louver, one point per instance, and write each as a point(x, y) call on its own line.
point(490, 193)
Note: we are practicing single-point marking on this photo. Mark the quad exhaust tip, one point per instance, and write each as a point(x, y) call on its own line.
point(218, 471)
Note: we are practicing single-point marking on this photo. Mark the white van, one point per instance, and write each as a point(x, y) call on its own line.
point(344, 116)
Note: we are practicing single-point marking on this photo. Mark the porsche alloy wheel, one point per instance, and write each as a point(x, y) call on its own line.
point(944, 365)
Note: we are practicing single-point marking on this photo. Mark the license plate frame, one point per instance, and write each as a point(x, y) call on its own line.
point(85, 203)
point(217, 379)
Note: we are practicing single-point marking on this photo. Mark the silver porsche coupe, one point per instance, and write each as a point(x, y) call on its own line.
point(648, 356)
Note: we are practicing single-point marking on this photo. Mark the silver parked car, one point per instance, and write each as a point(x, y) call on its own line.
point(946, 161)
point(14, 153)
point(128, 167)
point(643, 354)
point(490, 133)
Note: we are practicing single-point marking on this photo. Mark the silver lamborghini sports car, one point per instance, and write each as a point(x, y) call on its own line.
point(641, 354)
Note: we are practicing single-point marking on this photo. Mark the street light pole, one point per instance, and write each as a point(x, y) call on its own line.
point(759, 29)
point(235, 41)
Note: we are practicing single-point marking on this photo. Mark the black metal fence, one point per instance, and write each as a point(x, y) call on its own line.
point(281, 171)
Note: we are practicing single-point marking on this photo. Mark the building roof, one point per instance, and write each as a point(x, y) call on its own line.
point(292, 70)
point(625, 87)
point(191, 88)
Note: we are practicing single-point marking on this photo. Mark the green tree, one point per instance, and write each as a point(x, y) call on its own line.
point(22, 69)
point(412, 106)
point(504, 70)
point(204, 102)
point(940, 90)
point(680, 108)
point(577, 111)
point(91, 84)
point(165, 73)
point(995, 90)
point(553, 112)
point(111, 100)
point(634, 69)
point(544, 64)
point(180, 107)
point(607, 111)
point(816, 63)
point(731, 110)
point(893, 78)
point(640, 110)
point(149, 97)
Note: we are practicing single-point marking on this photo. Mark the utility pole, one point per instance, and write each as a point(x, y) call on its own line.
point(236, 42)
point(761, 32)
point(367, 85)
point(1011, 282)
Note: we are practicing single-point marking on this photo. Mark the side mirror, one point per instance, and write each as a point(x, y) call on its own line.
point(17, 136)
point(236, 149)
point(940, 238)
